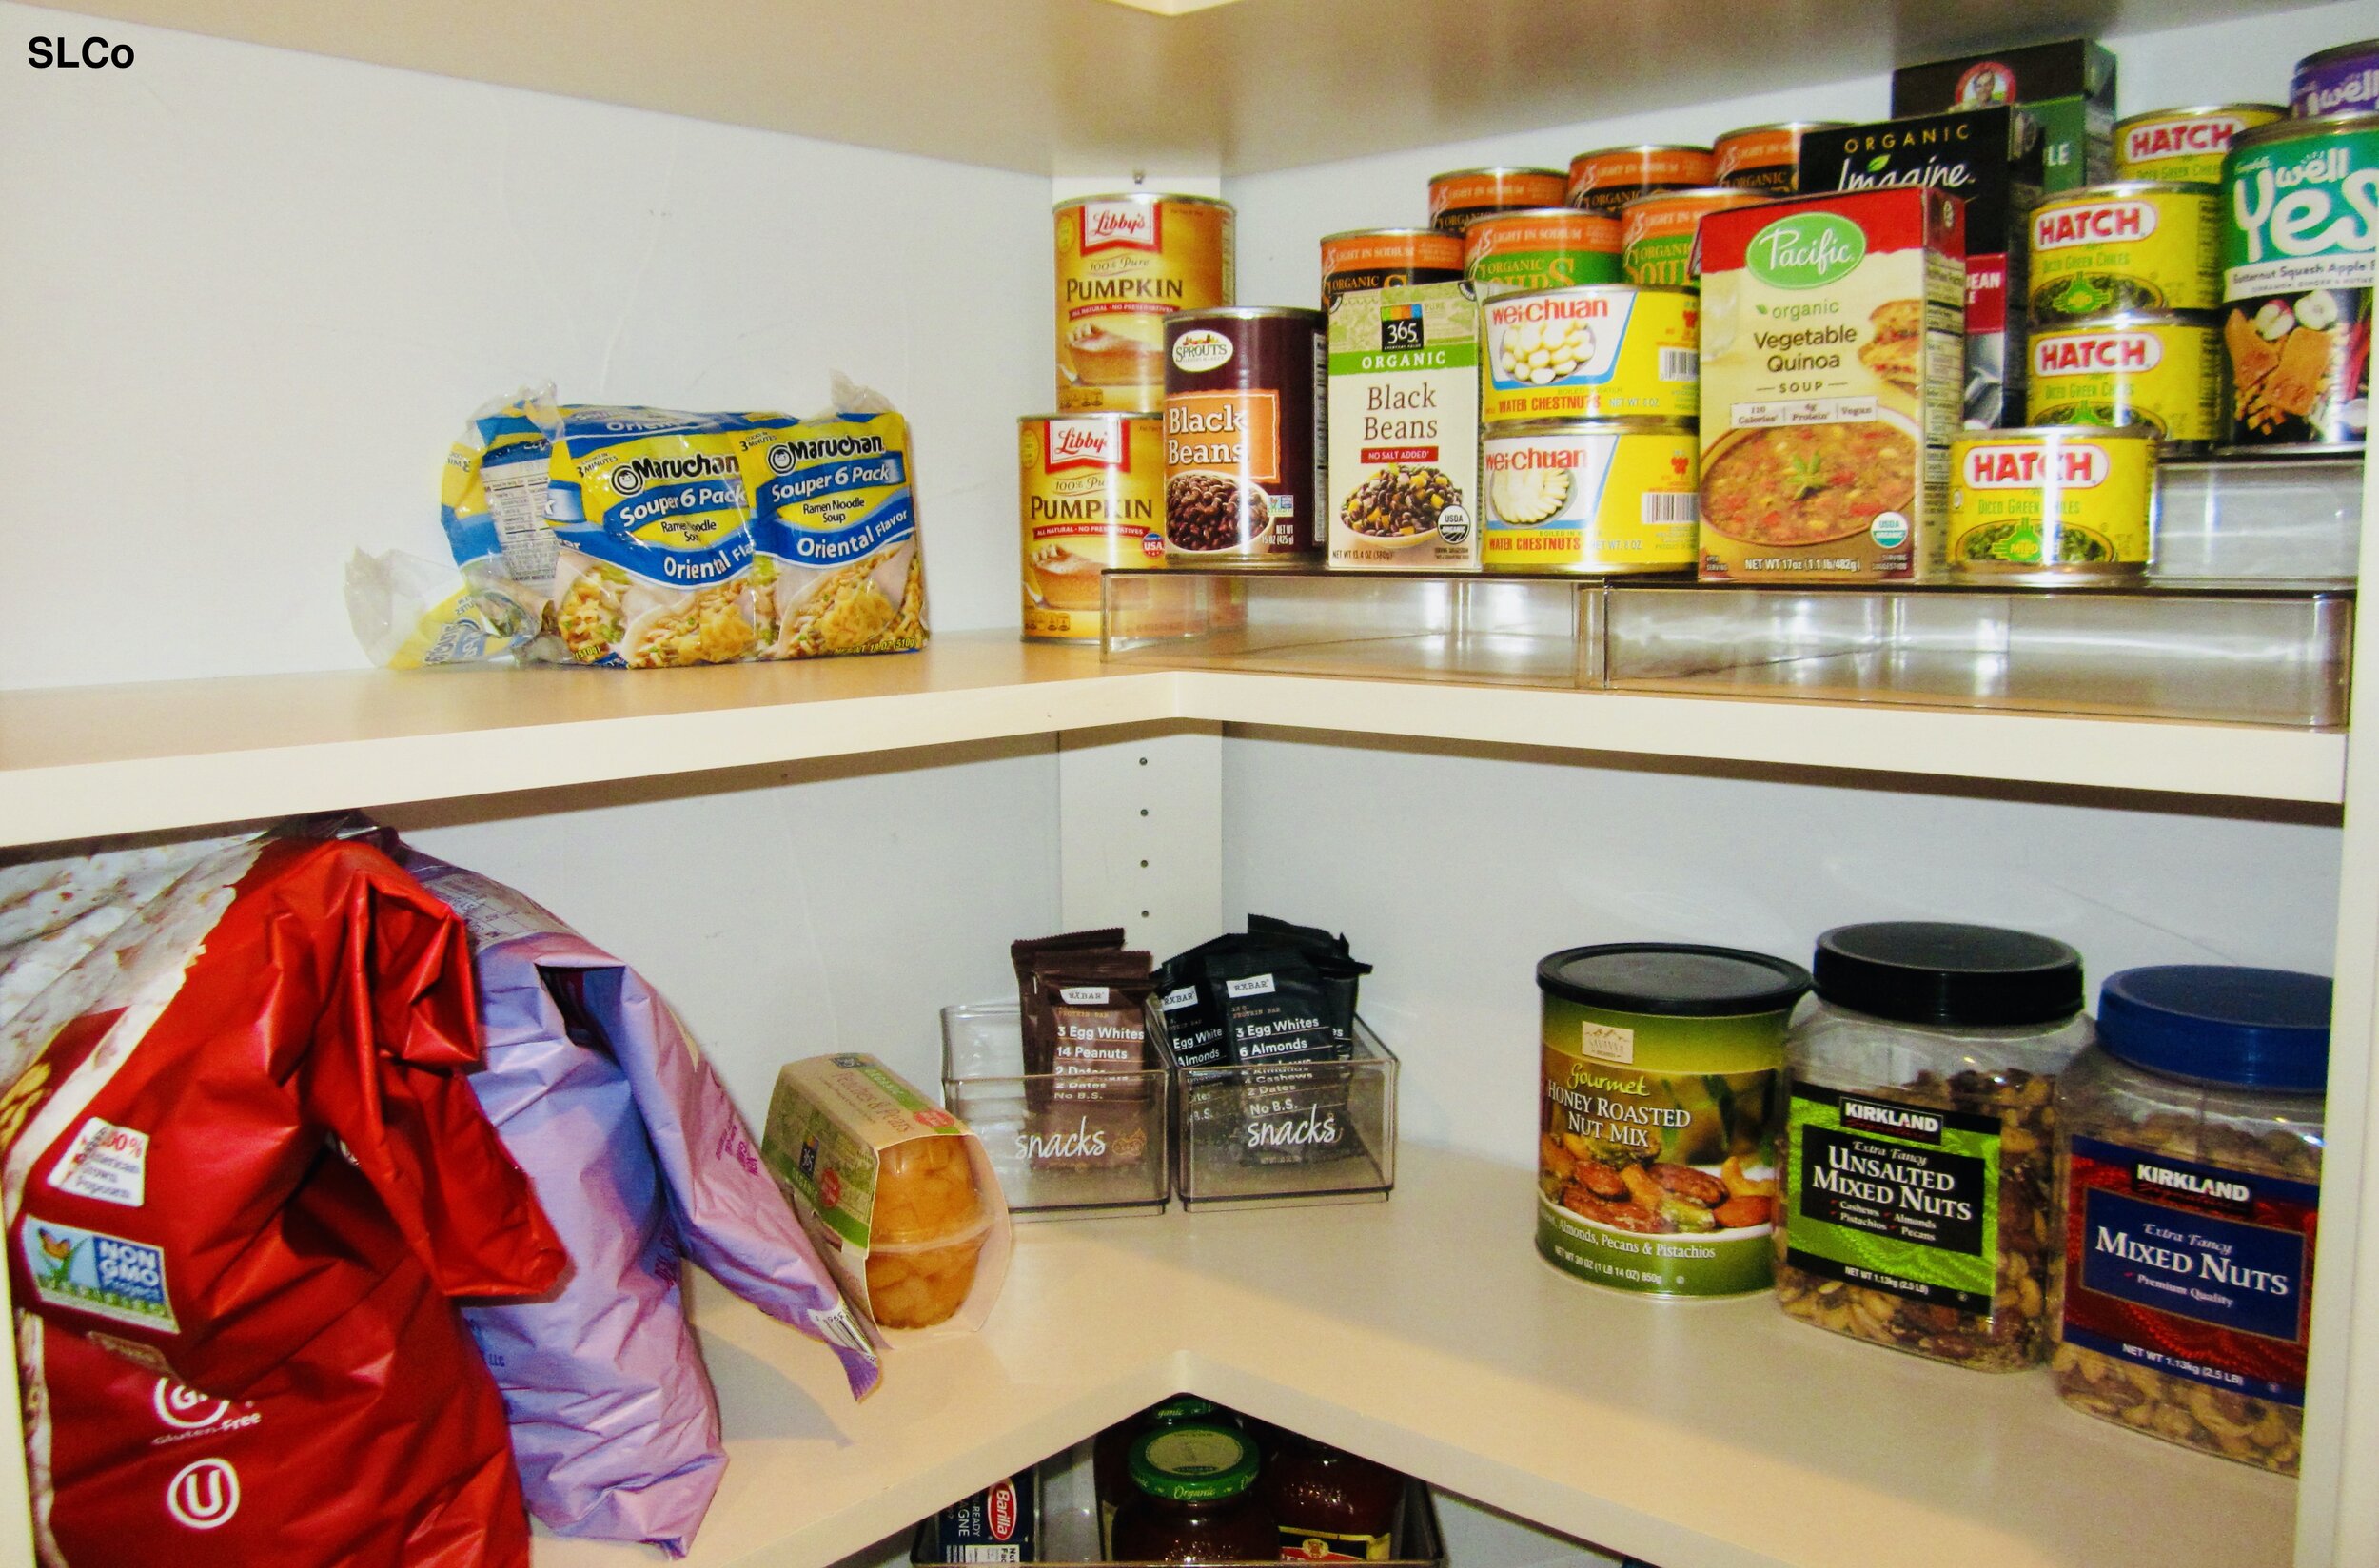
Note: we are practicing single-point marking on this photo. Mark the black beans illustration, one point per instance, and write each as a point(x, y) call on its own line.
point(1398, 501)
point(1213, 512)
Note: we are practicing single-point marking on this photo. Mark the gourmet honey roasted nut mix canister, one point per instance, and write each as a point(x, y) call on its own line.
point(1403, 423)
point(1832, 340)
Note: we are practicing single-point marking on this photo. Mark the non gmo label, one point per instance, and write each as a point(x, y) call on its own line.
point(1893, 1196)
point(104, 1162)
point(90, 1271)
point(2189, 1269)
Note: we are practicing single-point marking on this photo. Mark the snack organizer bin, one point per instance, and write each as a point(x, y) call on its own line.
point(1217, 1136)
point(1070, 1528)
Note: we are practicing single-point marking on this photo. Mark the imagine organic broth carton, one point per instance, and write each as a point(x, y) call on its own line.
point(1832, 359)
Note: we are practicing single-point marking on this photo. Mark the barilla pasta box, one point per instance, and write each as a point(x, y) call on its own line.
point(1404, 428)
point(897, 1194)
point(1832, 360)
point(1990, 159)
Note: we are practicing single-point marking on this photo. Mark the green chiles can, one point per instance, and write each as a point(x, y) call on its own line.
point(1663, 1098)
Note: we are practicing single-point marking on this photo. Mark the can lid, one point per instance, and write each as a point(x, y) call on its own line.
point(2194, 109)
point(1086, 414)
point(1938, 971)
point(1195, 1461)
point(1073, 202)
point(1801, 126)
point(1498, 170)
point(1391, 234)
point(1616, 424)
point(2340, 51)
point(2311, 125)
point(1518, 295)
point(2220, 1023)
point(1638, 147)
point(2106, 188)
point(1731, 195)
point(1672, 979)
point(2115, 319)
point(1541, 214)
point(2052, 431)
point(1182, 1408)
point(1248, 313)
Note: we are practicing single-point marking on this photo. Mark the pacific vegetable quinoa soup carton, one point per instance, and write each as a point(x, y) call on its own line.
point(1832, 364)
point(1403, 425)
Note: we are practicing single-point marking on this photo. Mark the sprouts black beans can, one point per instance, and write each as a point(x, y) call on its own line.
point(1244, 437)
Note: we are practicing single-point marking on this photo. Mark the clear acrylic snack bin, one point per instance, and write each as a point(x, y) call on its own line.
point(1068, 1524)
point(1056, 1157)
point(1308, 1132)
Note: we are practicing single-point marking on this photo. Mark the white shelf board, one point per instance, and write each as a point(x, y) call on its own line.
point(81, 762)
point(1425, 1334)
point(1087, 87)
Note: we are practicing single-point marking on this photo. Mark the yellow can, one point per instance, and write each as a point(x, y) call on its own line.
point(2136, 245)
point(2184, 143)
point(1124, 263)
point(1592, 497)
point(2053, 504)
point(1596, 351)
point(2162, 372)
point(1091, 496)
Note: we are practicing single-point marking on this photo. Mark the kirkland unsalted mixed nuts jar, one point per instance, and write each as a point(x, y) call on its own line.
point(2188, 1151)
point(1124, 263)
point(1918, 1156)
point(1655, 1149)
point(1092, 496)
point(1244, 435)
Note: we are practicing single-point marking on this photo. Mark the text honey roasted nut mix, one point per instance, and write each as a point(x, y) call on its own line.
point(1403, 423)
point(1124, 263)
point(1832, 340)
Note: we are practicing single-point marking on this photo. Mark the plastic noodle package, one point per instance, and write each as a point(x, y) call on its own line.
point(241, 1173)
point(642, 1162)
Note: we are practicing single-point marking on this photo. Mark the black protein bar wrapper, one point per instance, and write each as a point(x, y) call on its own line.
point(1340, 972)
point(1293, 1067)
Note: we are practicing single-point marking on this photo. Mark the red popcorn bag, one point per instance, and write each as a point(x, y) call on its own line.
point(240, 1162)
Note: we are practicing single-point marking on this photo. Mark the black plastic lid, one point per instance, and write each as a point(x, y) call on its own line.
point(1672, 979)
point(1936, 971)
point(2254, 1029)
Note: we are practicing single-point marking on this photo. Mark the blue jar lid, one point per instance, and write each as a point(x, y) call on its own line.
point(2220, 1023)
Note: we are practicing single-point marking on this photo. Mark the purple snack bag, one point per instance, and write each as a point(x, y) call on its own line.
point(641, 1161)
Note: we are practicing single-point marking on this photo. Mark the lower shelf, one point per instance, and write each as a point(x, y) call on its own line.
point(1424, 1333)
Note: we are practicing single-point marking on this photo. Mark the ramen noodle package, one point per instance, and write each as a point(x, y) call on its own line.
point(839, 569)
point(897, 1194)
point(643, 1165)
point(243, 1174)
point(1833, 341)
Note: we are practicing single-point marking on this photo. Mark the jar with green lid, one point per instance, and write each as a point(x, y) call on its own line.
point(2189, 1146)
point(1194, 1499)
point(1919, 1170)
point(1656, 1127)
point(1111, 1454)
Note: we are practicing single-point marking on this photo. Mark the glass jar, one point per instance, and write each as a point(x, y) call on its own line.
point(2189, 1161)
point(1331, 1505)
point(1194, 1499)
point(1919, 1165)
point(1111, 1454)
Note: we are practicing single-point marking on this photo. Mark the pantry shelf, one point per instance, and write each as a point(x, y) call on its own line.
point(1424, 1333)
point(83, 761)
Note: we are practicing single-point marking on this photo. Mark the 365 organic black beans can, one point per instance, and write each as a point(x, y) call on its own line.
point(2300, 246)
point(1244, 435)
point(2160, 371)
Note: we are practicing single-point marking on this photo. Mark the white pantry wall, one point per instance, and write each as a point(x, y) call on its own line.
point(1283, 215)
point(1455, 872)
point(249, 297)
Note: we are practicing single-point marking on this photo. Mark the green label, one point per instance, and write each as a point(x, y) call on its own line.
point(1514, 271)
point(832, 1172)
point(1663, 1265)
point(2303, 213)
point(1894, 1196)
point(1808, 250)
point(1662, 259)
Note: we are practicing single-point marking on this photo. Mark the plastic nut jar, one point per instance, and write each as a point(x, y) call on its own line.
point(2189, 1158)
point(1194, 1499)
point(1919, 1170)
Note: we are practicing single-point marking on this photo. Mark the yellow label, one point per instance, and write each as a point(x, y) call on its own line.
point(2185, 146)
point(2163, 375)
point(1090, 496)
point(1600, 352)
point(1590, 500)
point(1125, 264)
point(2094, 253)
point(2040, 503)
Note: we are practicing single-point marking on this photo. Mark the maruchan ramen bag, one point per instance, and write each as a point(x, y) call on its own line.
point(643, 1165)
point(839, 570)
point(241, 1173)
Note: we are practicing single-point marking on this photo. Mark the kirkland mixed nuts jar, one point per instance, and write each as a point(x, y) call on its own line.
point(1917, 1164)
point(2189, 1167)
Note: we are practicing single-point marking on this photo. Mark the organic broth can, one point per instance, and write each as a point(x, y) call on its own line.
point(2053, 505)
point(1357, 260)
point(1461, 197)
point(1607, 180)
point(1594, 352)
point(1124, 263)
point(1765, 159)
point(2185, 145)
point(1540, 247)
point(2134, 244)
point(1595, 498)
point(1093, 494)
point(1656, 1127)
point(2159, 371)
point(1657, 231)
point(2300, 235)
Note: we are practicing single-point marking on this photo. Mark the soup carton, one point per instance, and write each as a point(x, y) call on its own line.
point(1833, 362)
point(1403, 429)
